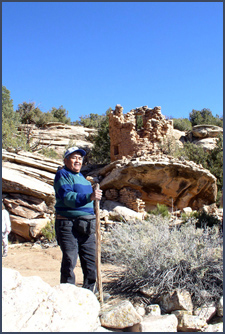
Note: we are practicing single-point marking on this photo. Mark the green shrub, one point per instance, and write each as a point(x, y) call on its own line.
point(163, 258)
point(205, 116)
point(91, 121)
point(211, 160)
point(45, 118)
point(11, 137)
point(49, 231)
point(100, 153)
point(49, 153)
point(161, 209)
point(188, 217)
point(182, 124)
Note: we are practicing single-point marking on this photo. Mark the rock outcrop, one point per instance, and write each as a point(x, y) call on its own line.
point(28, 193)
point(158, 179)
point(206, 131)
point(203, 135)
point(137, 184)
point(58, 135)
point(138, 178)
point(31, 305)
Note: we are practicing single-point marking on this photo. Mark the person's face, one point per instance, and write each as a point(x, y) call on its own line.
point(74, 162)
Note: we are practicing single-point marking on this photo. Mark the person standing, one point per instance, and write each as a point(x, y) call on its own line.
point(6, 229)
point(75, 219)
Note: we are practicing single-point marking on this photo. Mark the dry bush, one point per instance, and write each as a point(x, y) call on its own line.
point(164, 258)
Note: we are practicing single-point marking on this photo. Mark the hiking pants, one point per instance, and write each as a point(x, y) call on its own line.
point(72, 244)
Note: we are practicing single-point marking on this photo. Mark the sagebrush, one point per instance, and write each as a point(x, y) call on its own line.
point(163, 258)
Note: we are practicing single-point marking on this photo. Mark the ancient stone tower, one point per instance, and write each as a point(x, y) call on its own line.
point(126, 140)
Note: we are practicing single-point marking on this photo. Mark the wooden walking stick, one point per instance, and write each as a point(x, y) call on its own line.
point(98, 249)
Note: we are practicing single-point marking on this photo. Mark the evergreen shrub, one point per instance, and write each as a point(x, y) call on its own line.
point(160, 209)
point(182, 124)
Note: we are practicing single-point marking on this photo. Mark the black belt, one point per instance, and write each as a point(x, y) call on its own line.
point(61, 217)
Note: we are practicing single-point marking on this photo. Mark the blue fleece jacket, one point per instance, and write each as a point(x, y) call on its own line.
point(72, 193)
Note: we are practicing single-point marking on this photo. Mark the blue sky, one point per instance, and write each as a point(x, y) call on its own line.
point(89, 56)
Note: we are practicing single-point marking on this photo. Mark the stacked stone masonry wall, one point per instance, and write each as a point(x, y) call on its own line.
point(127, 196)
point(125, 137)
point(131, 198)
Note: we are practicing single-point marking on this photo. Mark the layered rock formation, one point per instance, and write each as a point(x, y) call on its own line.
point(159, 179)
point(139, 176)
point(58, 135)
point(28, 194)
point(138, 183)
point(204, 135)
point(206, 131)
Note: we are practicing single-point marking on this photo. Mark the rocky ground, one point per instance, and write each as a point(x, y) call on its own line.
point(32, 260)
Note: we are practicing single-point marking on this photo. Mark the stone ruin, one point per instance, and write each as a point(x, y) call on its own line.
point(127, 140)
point(125, 137)
point(136, 139)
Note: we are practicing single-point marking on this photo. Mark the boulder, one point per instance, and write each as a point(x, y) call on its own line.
point(214, 328)
point(31, 305)
point(190, 323)
point(140, 310)
point(205, 131)
point(220, 308)
point(120, 316)
point(117, 211)
point(163, 180)
point(176, 300)
point(36, 162)
point(159, 323)
point(187, 211)
point(28, 228)
point(153, 309)
point(26, 206)
point(205, 312)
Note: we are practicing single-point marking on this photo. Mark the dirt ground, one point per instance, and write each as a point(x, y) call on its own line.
point(32, 260)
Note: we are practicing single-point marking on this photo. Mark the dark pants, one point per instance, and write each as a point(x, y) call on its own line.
point(72, 244)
